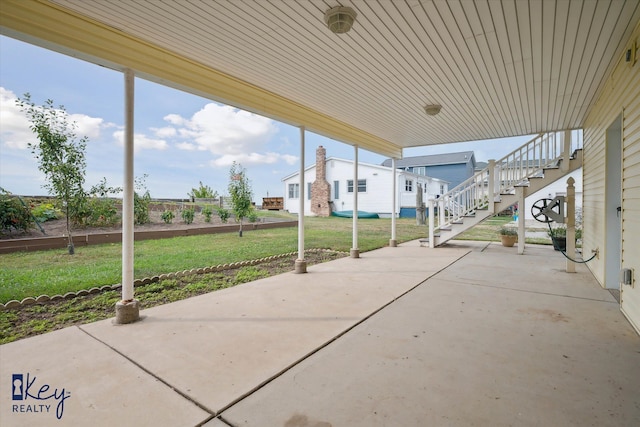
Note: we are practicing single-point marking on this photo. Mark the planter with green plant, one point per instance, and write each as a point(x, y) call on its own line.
point(187, 215)
point(207, 211)
point(508, 236)
point(167, 216)
point(559, 237)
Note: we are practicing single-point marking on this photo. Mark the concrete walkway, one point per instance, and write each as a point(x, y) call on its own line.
point(468, 334)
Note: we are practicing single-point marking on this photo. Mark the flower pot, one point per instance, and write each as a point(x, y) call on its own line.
point(559, 243)
point(508, 240)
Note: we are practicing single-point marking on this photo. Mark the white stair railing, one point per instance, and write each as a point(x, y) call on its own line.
point(502, 176)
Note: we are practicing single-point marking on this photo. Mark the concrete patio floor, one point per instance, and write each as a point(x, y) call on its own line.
point(467, 334)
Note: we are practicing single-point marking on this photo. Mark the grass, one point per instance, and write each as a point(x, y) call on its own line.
point(36, 319)
point(30, 274)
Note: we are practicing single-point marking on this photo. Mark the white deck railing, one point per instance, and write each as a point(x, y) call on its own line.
point(502, 176)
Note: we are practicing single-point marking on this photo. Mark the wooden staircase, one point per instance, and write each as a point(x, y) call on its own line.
point(531, 167)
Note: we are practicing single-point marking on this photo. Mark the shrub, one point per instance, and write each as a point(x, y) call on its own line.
point(46, 212)
point(253, 216)
point(202, 192)
point(13, 214)
point(141, 202)
point(102, 212)
point(167, 216)
point(207, 212)
point(187, 215)
point(141, 208)
point(100, 209)
point(223, 214)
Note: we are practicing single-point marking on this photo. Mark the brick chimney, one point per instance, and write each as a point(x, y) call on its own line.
point(320, 189)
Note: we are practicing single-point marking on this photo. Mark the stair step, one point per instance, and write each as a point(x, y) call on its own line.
point(447, 228)
point(457, 222)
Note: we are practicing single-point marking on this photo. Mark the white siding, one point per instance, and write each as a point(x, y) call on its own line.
point(376, 199)
point(620, 95)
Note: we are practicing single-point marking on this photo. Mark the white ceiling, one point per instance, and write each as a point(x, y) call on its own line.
point(498, 68)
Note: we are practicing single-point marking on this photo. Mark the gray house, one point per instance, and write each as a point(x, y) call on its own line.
point(451, 167)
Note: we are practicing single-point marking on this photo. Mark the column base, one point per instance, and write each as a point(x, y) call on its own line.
point(127, 312)
point(300, 266)
point(393, 243)
point(355, 253)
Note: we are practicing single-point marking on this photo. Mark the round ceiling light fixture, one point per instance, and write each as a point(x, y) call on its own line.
point(432, 110)
point(339, 19)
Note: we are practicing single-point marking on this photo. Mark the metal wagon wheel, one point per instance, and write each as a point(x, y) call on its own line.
point(538, 208)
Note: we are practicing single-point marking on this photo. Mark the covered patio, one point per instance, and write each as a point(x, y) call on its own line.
point(478, 335)
point(469, 333)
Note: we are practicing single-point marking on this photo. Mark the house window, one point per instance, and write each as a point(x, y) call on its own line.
point(294, 191)
point(336, 189)
point(408, 185)
point(309, 191)
point(441, 188)
point(362, 186)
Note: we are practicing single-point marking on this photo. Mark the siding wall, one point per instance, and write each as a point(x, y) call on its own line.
point(621, 95)
point(377, 198)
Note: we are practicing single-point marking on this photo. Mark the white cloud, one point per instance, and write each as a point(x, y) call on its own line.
point(165, 132)
point(175, 119)
point(15, 132)
point(141, 141)
point(253, 159)
point(231, 134)
point(187, 146)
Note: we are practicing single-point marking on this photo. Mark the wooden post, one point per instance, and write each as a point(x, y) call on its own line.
point(432, 243)
point(521, 224)
point(571, 224)
point(355, 252)
point(300, 265)
point(393, 242)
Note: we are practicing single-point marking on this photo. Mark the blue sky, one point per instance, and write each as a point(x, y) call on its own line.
point(180, 139)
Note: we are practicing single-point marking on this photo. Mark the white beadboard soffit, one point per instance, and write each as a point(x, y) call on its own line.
point(498, 68)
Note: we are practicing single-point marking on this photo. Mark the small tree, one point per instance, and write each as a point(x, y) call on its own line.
point(60, 156)
point(202, 192)
point(240, 192)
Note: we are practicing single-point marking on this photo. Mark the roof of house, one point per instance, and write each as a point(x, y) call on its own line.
point(380, 167)
point(434, 160)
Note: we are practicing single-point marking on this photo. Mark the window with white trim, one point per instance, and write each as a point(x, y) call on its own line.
point(408, 185)
point(362, 186)
point(294, 191)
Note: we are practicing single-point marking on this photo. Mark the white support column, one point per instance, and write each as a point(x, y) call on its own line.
point(491, 186)
point(393, 242)
point(355, 252)
point(566, 150)
point(571, 224)
point(432, 243)
point(300, 263)
point(128, 310)
point(521, 220)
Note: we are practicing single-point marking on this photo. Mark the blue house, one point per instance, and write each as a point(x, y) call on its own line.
point(451, 167)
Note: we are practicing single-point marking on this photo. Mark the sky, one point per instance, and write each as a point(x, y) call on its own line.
point(180, 139)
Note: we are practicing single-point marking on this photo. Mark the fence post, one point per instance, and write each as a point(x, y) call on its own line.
point(491, 190)
point(432, 243)
point(571, 225)
point(566, 150)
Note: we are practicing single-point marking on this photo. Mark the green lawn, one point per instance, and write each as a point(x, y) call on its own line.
point(30, 274)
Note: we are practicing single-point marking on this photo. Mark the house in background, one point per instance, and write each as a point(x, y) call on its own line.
point(330, 186)
point(451, 167)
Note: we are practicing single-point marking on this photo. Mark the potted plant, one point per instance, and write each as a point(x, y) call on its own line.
point(559, 237)
point(508, 236)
